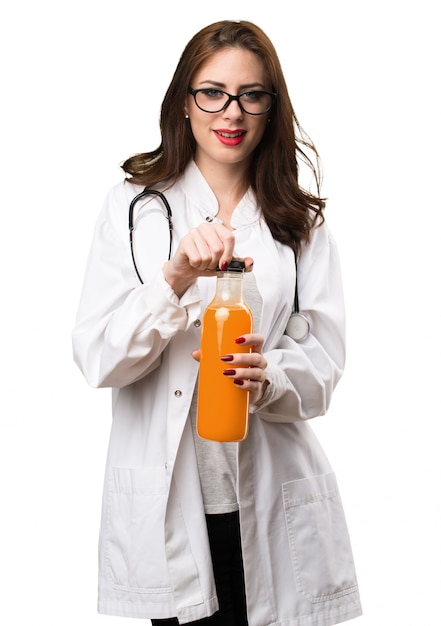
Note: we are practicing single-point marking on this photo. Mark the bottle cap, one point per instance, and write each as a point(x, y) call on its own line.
point(236, 266)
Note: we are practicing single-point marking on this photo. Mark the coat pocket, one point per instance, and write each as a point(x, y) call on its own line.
point(134, 529)
point(319, 540)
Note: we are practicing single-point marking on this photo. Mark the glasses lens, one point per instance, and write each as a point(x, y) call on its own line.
point(211, 100)
point(256, 102)
point(253, 102)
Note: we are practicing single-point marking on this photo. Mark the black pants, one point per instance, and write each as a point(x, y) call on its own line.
point(226, 553)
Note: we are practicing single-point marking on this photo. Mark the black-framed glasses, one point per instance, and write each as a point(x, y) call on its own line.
point(212, 100)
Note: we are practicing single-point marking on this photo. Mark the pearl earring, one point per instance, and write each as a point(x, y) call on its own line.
point(186, 116)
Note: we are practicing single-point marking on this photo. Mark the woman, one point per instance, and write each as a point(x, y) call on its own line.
point(196, 531)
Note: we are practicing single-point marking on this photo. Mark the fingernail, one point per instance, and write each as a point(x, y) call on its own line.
point(238, 381)
point(227, 357)
point(240, 340)
point(224, 266)
point(229, 372)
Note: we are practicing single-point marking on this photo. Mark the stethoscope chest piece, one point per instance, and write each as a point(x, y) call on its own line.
point(298, 327)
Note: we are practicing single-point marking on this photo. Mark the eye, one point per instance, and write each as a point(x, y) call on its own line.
point(213, 93)
point(252, 96)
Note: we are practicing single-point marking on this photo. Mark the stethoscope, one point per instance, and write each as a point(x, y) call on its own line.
point(298, 327)
point(149, 192)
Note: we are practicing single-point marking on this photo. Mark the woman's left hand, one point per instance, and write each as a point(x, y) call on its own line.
point(246, 369)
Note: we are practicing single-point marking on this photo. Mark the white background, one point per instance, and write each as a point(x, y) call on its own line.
point(82, 84)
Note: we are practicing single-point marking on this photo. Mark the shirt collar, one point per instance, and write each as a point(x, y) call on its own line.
point(202, 197)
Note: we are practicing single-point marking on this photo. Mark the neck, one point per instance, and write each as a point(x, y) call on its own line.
point(229, 182)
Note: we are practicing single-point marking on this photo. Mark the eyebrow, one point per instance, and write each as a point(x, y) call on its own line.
point(214, 83)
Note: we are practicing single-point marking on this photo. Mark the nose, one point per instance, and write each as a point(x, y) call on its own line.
point(233, 110)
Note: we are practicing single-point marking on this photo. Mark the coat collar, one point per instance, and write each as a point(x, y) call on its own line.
point(202, 197)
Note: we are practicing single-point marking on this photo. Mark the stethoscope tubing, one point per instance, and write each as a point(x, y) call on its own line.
point(144, 193)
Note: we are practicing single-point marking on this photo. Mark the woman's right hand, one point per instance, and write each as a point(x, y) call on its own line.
point(204, 249)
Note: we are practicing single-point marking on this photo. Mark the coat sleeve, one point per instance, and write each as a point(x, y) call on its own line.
point(302, 376)
point(123, 326)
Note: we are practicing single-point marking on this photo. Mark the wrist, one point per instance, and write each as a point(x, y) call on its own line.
point(263, 389)
point(177, 282)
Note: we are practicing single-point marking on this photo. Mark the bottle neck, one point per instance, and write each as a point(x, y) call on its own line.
point(229, 288)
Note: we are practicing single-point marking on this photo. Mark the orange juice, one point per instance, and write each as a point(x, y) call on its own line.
point(223, 407)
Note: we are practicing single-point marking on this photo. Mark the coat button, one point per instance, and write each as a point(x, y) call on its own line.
point(208, 218)
point(178, 393)
point(197, 323)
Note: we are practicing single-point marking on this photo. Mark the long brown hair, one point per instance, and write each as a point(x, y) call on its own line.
point(289, 210)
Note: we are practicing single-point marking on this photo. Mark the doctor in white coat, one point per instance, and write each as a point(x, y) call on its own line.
point(249, 532)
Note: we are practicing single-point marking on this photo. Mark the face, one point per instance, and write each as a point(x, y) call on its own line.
point(230, 136)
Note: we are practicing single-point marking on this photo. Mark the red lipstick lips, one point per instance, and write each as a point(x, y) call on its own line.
point(230, 137)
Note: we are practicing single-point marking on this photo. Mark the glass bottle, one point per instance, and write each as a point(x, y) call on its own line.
point(223, 407)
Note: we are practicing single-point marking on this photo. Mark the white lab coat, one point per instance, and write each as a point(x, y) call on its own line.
point(137, 338)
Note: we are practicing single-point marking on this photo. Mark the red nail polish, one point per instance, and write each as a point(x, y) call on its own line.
point(227, 357)
point(238, 381)
point(224, 266)
point(229, 372)
point(240, 340)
